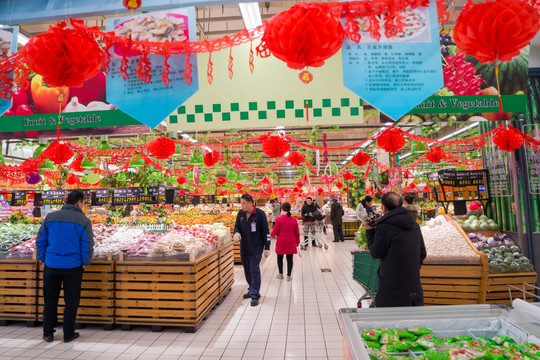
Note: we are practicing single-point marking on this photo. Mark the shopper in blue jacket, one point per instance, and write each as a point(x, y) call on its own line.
point(65, 246)
point(251, 228)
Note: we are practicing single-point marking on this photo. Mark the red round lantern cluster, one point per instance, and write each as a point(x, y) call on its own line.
point(508, 140)
point(348, 176)
point(58, 153)
point(339, 184)
point(211, 158)
point(495, 30)
point(63, 56)
point(361, 159)
point(435, 155)
point(275, 147)
point(295, 158)
point(221, 180)
point(162, 148)
point(391, 140)
point(181, 180)
point(305, 35)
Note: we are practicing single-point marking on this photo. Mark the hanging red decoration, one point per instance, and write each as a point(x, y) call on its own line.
point(221, 180)
point(76, 164)
point(360, 159)
point(181, 180)
point(132, 5)
point(211, 158)
point(390, 140)
point(348, 176)
point(58, 153)
point(320, 191)
point(239, 186)
point(295, 158)
point(162, 147)
point(299, 184)
point(339, 184)
point(72, 179)
point(435, 155)
point(275, 147)
point(63, 56)
point(508, 140)
point(495, 30)
point(305, 35)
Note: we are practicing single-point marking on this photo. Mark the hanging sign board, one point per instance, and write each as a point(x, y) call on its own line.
point(19, 198)
point(207, 199)
point(101, 197)
point(153, 195)
point(54, 197)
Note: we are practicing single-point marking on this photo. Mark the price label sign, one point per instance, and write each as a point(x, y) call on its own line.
point(207, 199)
point(87, 196)
point(181, 199)
point(101, 197)
point(19, 198)
point(470, 178)
point(123, 196)
point(54, 197)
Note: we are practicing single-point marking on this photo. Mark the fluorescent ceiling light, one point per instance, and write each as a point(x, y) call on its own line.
point(251, 15)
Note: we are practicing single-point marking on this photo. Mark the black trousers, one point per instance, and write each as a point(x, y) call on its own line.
point(338, 233)
point(289, 263)
point(52, 284)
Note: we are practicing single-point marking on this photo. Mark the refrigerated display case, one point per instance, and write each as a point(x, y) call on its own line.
point(521, 323)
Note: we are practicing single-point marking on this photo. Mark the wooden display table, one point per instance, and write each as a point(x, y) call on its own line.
point(18, 291)
point(236, 250)
point(498, 290)
point(97, 295)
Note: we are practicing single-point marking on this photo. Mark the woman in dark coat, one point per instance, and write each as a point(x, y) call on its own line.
point(398, 242)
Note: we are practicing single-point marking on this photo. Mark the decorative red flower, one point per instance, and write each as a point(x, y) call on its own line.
point(339, 184)
point(72, 179)
point(348, 176)
point(132, 5)
point(221, 180)
point(305, 35)
point(63, 56)
point(295, 158)
point(508, 140)
point(58, 153)
point(211, 158)
point(436, 154)
point(239, 186)
point(162, 148)
point(495, 30)
point(181, 180)
point(361, 159)
point(390, 140)
point(275, 147)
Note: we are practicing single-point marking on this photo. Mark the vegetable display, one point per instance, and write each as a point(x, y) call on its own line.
point(503, 254)
point(445, 243)
point(482, 242)
point(474, 224)
point(15, 234)
point(422, 343)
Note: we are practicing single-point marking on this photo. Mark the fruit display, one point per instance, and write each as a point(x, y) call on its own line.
point(460, 76)
point(226, 219)
point(475, 224)
point(15, 234)
point(444, 243)
point(422, 343)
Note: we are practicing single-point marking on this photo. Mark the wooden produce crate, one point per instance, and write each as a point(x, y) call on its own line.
point(18, 291)
point(167, 293)
point(497, 287)
point(97, 295)
point(236, 252)
point(455, 283)
point(226, 268)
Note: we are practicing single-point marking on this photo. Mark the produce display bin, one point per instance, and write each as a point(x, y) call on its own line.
point(521, 323)
point(498, 290)
point(97, 295)
point(176, 293)
point(18, 291)
point(350, 227)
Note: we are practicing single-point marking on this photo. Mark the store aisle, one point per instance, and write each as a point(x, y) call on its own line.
point(295, 320)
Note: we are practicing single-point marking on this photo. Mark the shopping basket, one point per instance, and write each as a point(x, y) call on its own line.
point(365, 272)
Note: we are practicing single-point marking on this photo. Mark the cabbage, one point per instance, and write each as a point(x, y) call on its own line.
point(483, 217)
point(473, 236)
point(483, 225)
point(509, 242)
point(472, 217)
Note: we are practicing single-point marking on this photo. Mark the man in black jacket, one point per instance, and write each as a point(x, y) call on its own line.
point(398, 242)
point(336, 217)
point(307, 216)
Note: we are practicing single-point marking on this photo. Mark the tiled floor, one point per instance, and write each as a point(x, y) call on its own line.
point(295, 320)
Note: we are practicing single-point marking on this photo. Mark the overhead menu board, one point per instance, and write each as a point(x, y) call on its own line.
point(459, 178)
point(54, 197)
point(153, 195)
point(207, 199)
point(101, 197)
point(19, 198)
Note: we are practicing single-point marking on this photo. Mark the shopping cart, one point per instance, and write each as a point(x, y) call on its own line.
point(365, 272)
point(313, 231)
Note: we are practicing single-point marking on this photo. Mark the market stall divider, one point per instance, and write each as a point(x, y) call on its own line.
point(125, 292)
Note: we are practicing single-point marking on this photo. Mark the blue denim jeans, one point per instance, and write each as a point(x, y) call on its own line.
point(252, 272)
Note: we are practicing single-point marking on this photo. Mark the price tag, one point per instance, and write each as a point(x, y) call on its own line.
point(54, 197)
point(18, 198)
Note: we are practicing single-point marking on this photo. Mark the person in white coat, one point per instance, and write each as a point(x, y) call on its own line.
point(326, 212)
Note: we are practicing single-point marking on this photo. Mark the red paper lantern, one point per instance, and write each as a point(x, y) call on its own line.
point(221, 180)
point(275, 147)
point(132, 5)
point(181, 180)
point(211, 158)
point(495, 30)
point(339, 184)
point(348, 176)
point(508, 140)
point(320, 191)
point(58, 153)
point(390, 140)
point(162, 148)
point(63, 56)
point(361, 159)
point(72, 179)
point(76, 164)
point(435, 155)
point(295, 158)
point(239, 186)
point(299, 184)
point(305, 35)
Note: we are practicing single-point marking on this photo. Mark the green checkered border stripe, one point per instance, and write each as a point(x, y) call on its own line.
point(252, 110)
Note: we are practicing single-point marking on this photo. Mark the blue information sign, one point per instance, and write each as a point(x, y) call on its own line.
point(396, 74)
